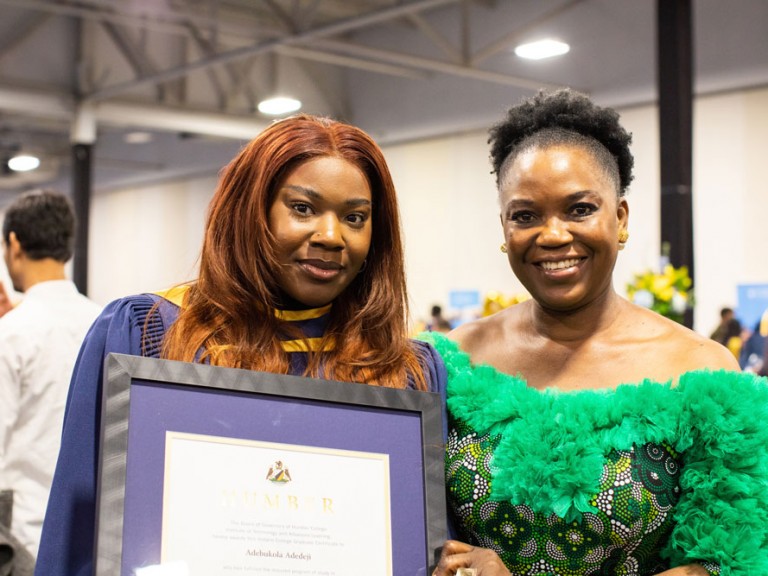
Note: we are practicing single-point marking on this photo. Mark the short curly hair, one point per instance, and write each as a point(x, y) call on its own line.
point(563, 116)
point(44, 224)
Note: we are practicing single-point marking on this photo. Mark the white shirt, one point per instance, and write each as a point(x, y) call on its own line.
point(39, 343)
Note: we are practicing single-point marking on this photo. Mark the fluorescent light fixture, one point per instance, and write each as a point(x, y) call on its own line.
point(279, 105)
point(542, 49)
point(23, 163)
point(138, 137)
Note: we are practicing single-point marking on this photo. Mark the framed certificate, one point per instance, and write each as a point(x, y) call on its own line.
point(209, 471)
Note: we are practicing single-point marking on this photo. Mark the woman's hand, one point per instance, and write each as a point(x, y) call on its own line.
point(484, 562)
point(688, 570)
point(458, 555)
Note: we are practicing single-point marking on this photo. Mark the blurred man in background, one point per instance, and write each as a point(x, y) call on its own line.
point(39, 342)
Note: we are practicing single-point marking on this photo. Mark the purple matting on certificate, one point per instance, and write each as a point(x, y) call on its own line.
point(156, 408)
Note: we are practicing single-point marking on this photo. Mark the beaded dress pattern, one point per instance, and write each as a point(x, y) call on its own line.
point(631, 523)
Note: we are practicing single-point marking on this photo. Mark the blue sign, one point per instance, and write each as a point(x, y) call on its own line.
point(459, 299)
point(752, 303)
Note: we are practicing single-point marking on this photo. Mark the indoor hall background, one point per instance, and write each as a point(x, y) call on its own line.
point(425, 78)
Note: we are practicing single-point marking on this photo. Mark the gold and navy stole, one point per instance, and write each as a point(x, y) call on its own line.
point(312, 322)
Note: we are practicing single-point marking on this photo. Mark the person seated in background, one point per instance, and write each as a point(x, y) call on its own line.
point(589, 435)
point(725, 329)
point(437, 323)
point(39, 342)
point(751, 356)
point(733, 337)
point(301, 272)
point(763, 371)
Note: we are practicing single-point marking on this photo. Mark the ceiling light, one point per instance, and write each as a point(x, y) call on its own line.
point(138, 137)
point(542, 49)
point(23, 163)
point(279, 105)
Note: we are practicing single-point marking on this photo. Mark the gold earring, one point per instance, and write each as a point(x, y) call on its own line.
point(503, 248)
point(623, 237)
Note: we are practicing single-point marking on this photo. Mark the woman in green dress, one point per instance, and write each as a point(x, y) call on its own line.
point(589, 435)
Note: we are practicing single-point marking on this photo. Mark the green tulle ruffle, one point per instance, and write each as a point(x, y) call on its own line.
point(552, 448)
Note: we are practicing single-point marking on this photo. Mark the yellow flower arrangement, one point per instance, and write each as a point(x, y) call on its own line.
point(668, 293)
point(495, 301)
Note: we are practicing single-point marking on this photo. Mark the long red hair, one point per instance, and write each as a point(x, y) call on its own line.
point(228, 312)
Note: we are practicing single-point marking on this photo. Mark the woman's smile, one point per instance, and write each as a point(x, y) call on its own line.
point(322, 270)
point(560, 265)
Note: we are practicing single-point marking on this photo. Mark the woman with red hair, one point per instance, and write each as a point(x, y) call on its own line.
point(301, 273)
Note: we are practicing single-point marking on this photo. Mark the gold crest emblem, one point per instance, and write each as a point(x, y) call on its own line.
point(279, 473)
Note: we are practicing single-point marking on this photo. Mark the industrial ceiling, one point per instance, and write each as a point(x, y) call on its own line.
point(187, 75)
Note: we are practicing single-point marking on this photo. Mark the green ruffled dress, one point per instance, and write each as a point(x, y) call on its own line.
point(629, 481)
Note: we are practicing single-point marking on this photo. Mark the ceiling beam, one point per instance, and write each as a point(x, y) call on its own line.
point(36, 103)
point(432, 65)
point(242, 127)
point(350, 62)
point(343, 26)
point(166, 21)
point(152, 117)
point(206, 47)
point(293, 22)
point(436, 37)
point(516, 35)
point(139, 61)
point(21, 31)
point(304, 45)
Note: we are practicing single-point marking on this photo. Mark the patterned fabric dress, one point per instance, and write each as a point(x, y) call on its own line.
point(631, 523)
point(630, 481)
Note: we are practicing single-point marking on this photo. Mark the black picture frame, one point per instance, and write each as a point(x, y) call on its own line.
point(145, 397)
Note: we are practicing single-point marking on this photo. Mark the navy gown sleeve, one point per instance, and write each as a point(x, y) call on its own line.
point(435, 373)
point(432, 364)
point(67, 545)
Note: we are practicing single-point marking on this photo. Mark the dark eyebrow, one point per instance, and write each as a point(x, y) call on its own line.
point(572, 197)
point(315, 195)
point(515, 204)
point(520, 202)
point(308, 191)
point(581, 194)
